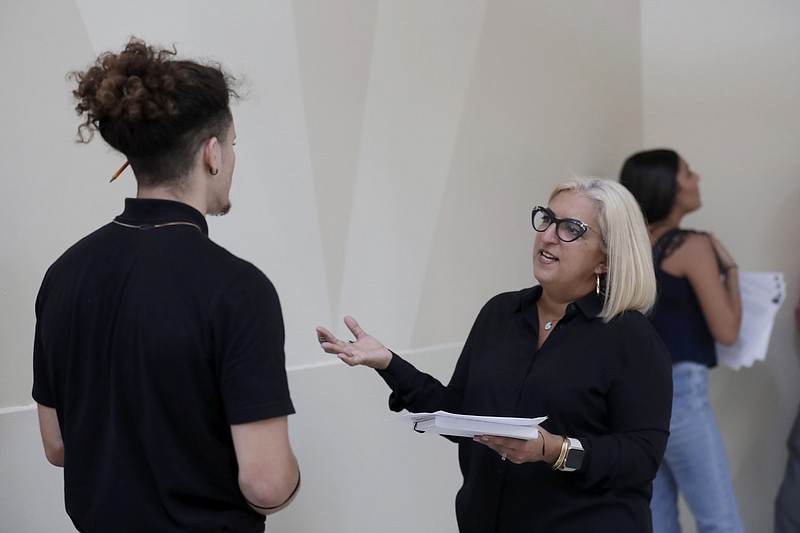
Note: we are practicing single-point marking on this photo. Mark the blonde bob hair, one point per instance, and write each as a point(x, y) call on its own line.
point(630, 282)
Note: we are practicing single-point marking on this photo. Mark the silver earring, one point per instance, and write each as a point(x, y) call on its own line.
point(214, 171)
point(597, 284)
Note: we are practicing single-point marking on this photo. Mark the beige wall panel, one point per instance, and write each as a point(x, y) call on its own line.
point(53, 189)
point(555, 91)
point(720, 83)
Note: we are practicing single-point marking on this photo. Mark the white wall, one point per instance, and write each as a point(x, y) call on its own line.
point(720, 85)
point(388, 155)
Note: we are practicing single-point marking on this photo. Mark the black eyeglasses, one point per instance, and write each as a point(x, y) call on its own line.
point(567, 229)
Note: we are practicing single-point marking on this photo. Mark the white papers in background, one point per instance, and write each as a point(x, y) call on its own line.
point(762, 294)
point(458, 425)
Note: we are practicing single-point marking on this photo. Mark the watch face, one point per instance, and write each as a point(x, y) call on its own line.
point(574, 459)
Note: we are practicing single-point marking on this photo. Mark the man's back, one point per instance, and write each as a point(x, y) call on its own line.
point(151, 342)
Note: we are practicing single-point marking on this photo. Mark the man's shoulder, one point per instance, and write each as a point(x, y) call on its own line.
point(193, 253)
point(80, 249)
point(231, 265)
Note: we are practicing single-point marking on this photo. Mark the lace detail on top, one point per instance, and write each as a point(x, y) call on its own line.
point(670, 241)
point(677, 316)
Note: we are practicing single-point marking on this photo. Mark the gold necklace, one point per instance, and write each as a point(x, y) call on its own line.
point(155, 226)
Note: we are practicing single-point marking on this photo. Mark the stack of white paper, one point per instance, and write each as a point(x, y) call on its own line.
point(762, 296)
point(444, 423)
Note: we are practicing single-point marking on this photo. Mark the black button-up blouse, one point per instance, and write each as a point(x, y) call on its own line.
point(607, 384)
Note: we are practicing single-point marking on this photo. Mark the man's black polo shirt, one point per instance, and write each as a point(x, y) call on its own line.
point(149, 344)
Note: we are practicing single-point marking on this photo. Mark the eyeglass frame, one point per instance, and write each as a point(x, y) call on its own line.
point(558, 221)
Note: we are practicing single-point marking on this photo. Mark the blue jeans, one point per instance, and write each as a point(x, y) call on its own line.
point(695, 461)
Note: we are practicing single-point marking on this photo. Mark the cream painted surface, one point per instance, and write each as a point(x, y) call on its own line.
point(422, 63)
point(362, 470)
point(274, 222)
point(576, 110)
point(720, 85)
point(54, 191)
point(388, 157)
point(335, 42)
point(32, 490)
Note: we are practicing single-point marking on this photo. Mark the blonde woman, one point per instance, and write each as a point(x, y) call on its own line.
point(576, 348)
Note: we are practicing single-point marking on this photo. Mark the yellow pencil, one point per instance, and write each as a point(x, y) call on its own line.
point(118, 172)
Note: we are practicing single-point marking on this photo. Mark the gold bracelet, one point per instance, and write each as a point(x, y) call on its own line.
point(562, 456)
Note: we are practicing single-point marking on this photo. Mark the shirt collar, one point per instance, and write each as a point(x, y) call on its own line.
point(589, 305)
point(155, 211)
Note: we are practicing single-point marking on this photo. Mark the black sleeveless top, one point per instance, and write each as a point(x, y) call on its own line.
point(677, 316)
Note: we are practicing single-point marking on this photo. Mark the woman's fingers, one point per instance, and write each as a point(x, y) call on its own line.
point(505, 452)
point(364, 351)
point(353, 326)
point(323, 335)
point(515, 450)
point(328, 342)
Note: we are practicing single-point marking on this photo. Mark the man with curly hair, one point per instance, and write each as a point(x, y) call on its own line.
point(159, 367)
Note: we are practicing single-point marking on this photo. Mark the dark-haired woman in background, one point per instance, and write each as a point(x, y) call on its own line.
point(698, 304)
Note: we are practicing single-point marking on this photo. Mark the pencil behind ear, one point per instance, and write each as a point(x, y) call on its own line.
point(120, 171)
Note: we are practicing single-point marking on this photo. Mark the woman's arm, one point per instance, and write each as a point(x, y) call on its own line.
point(412, 389)
point(699, 260)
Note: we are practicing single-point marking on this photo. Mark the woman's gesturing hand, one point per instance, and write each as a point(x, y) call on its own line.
point(365, 350)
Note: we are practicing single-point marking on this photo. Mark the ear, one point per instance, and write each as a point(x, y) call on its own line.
point(211, 154)
point(602, 268)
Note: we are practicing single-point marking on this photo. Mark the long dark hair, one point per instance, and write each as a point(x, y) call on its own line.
point(651, 176)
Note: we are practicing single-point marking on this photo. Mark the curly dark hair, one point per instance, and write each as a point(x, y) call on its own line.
point(153, 107)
